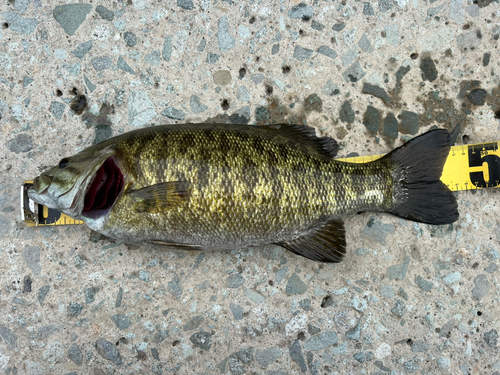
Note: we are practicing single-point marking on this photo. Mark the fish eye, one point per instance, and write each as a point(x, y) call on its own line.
point(64, 162)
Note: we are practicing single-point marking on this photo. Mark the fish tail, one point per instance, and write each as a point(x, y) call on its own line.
point(418, 193)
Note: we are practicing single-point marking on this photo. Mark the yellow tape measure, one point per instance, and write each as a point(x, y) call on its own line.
point(468, 167)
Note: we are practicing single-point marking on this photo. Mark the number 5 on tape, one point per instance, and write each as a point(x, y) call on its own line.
point(473, 167)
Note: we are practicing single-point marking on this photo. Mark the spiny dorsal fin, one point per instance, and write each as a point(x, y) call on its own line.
point(306, 135)
point(154, 198)
point(325, 244)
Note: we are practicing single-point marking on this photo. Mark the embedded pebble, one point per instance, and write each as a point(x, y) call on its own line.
point(235, 280)
point(19, 144)
point(390, 126)
point(185, 4)
point(9, 337)
point(105, 13)
point(301, 53)
point(202, 340)
point(491, 338)
point(75, 354)
point(21, 25)
point(428, 69)
point(410, 122)
point(222, 77)
point(301, 11)
point(173, 113)
point(297, 356)
point(477, 96)
point(71, 16)
point(196, 105)
point(325, 50)
point(237, 311)
point(267, 356)
point(452, 277)
point(371, 120)
point(423, 284)
point(102, 63)
point(481, 287)
point(346, 114)
point(140, 108)
point(108, 351)
point(122, 64)
point(295, 285)
point(354, 73)
point(224, 37)
point(377, 231)
point(82, 49)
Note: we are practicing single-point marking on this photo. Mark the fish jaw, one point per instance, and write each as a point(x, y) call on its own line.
point(67, 189)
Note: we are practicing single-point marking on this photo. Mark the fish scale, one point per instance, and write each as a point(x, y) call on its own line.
point(249, 190)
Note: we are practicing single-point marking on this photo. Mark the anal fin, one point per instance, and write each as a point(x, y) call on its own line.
point(326, 244)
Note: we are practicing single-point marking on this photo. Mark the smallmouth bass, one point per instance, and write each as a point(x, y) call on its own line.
point(219, 186)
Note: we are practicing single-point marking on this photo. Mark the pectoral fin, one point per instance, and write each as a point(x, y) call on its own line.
point(155, 198)
point(326, 244)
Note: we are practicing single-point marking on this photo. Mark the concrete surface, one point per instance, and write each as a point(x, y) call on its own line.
point(408, 298)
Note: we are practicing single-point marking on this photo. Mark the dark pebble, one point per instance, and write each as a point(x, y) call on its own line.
point(346, 113)
point(101, 133)
point(20, 143)
point(317, 26)
point(409, 122)
point(155, 354)
point(491, 338)
point(339, 26)
point(401, 73)
point(245, 356)
point(42, 293)
point(261, 114)
point(75, 354)
point(428, 69)
point(371, 119)
point(122, 321)
point(108, 351)
point(202, 340)
point(486, 58)
point(90, 294)
point(313, 103)
point(477, 96)
point(368, 11)
point(296, 355)
point(377, 92)
point(105, 13)
point(312, 330)
point(305, 304)
point(185, 4)
point(194, 323)
point(130, 38)
point(27, 284)
point(74, 309)
point(391, 126)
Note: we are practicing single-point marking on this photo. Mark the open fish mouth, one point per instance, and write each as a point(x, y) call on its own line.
point(104, 189)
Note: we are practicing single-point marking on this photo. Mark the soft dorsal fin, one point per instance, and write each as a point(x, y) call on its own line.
point(154, 198)
point(325, 244)
point(306, 135)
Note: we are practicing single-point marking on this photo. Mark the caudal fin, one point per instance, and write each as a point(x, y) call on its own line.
point(419, 195)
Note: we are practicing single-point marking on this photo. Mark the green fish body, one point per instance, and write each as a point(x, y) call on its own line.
point(217, 186)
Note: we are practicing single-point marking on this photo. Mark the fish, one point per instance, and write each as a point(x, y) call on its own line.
point(223, 186)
